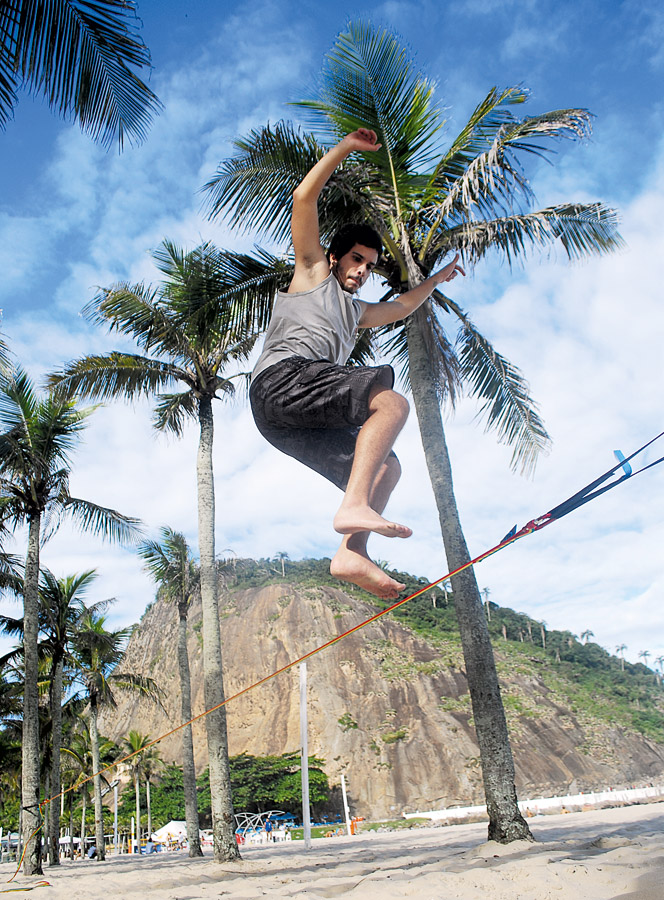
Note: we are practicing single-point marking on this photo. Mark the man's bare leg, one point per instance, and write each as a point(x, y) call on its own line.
point(388, 412)
point(352, 562)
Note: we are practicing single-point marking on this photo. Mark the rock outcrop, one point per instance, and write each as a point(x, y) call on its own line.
point(385, 707)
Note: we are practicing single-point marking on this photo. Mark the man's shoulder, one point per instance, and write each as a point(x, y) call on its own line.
point(307, 278)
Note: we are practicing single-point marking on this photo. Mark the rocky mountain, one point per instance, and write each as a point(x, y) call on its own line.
point(387, 707)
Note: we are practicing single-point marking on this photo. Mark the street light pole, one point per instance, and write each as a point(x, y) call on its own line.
point(306, 818)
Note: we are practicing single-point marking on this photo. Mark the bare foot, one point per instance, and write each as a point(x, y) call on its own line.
point(350, 565)
point(354, 519)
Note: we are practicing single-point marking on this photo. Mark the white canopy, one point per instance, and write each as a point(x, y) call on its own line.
point(174, 831)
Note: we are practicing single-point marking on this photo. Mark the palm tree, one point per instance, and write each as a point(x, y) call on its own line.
point(620, 650)
point(425, 200)
point(78, 764)
point(282, 556)
point(80, 57)
point(485, 593)
point(134, 744)
point(659, 662)
point(152, 764)
point(171, 564)
point(644, 654)
point(79, 753)
point(542, 626)
point(186, 327)
point(61, 609)
point(586, 635)
point(37, 437)
point(97, 653)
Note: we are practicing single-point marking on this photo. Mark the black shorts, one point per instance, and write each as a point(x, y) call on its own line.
point(313, 410)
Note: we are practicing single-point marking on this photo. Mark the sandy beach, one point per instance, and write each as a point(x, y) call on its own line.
point(599, 855)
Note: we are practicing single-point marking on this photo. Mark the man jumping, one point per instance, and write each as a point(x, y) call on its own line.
point(339, 420)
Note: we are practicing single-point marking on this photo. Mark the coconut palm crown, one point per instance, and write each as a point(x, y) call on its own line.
point(426, 198)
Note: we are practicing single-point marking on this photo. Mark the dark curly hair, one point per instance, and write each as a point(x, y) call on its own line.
point(351, 234)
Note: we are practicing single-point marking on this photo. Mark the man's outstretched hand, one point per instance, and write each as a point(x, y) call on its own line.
point(363, 140)
point(449, 272)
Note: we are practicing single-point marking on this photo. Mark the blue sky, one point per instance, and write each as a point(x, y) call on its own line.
point(588, 337)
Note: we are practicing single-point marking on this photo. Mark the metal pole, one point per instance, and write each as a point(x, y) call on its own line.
point(345, 796)
point(116, 849)
point(306, 818)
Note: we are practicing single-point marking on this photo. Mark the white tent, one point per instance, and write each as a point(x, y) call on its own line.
point(174, 831)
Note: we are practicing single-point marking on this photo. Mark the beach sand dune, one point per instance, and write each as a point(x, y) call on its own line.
point(611, 854)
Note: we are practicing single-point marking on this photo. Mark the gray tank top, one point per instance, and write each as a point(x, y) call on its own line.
point(317, 324)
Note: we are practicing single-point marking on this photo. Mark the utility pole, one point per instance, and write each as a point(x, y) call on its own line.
point(304, 741)
point(346, 810)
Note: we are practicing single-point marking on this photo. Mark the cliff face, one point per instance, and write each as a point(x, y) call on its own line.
point(385, 707)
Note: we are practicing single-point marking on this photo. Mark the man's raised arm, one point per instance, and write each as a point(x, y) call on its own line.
point(311, 265)
point(377, 314)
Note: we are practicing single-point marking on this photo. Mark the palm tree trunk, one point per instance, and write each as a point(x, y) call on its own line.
point(53, 812)
point(19, 845)
point(96, 766)
point(46, 821)
point(224, 843)
point(505, 821)
point(31, 750)
point(188, 762)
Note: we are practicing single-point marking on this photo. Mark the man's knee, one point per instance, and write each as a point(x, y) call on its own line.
point(386, 399)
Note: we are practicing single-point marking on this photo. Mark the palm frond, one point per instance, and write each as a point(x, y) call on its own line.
point(368, 81)
point(172, 410)
point(236, 349)
point(581, 228)
point(142, 685)
point(507, 405)
point(9, 83)
point(18, 402)
point(38, 437)
point(481, 175)
point(100, 520)
point(485, 124)
point(365, 349)
point(135, 310)
point(82, 56)
point(253, 190)
point(11, 574)
point(115, 375)
point(221, 296)
point(5, 354)
point(171, 564)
